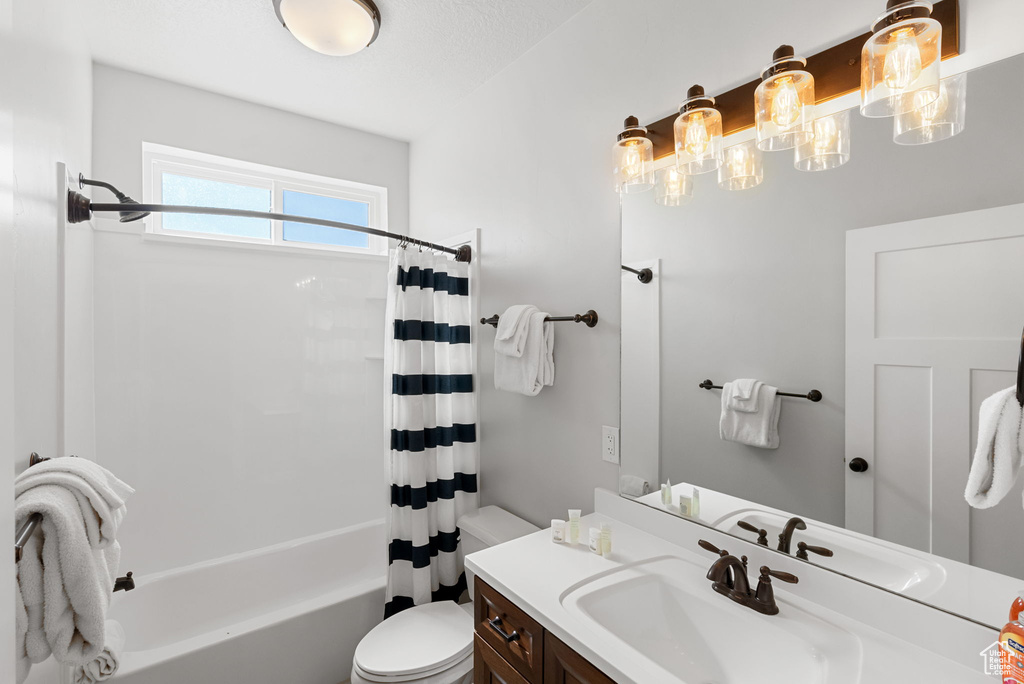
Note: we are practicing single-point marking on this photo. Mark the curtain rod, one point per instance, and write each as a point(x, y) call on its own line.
point(81, 208)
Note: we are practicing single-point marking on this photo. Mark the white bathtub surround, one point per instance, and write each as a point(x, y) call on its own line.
point(292, 612)
point(997, 459)
point(68, 567)
point(431, 414)
point(104, 666)
point(750, 414)
point(524, 346)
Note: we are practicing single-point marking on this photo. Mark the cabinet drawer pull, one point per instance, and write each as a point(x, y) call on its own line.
point(495, 624)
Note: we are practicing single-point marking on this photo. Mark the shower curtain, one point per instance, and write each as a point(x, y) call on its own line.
point(430, 413)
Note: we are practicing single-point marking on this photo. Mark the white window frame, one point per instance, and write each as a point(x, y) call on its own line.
point(158, 159)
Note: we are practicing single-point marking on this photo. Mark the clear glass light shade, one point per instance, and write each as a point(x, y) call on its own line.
point(784, 108)
point(900, 63)
point(672, 187)
point(941, 118)
point(830, 147)
point(332, 27)
point(633, 165)
point(698, 135)
point(742, 167)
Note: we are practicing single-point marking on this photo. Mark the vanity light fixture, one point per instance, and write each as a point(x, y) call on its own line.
point(830, 147)
point(698, 133)
point(633, 156)
point(743, 167)
point(784, 102)
point(331, 27)
point(942, 118)
point(900, 61)
point(672, 187)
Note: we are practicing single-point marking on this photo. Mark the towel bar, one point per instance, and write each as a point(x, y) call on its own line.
point(26, 531)
point(813, 395)
point(1020, 373)
point(644, 275)
point(590, 318)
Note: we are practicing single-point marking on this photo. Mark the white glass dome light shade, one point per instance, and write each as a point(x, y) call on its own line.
point(900, 62)
point(337, 28)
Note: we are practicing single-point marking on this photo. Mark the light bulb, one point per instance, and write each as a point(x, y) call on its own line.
point(738, 160)
point(902, 61)
point(825, 134)
point(697, 138)
point(632, 161)
point(930, 107)
point(785, 103)
point(673, 182)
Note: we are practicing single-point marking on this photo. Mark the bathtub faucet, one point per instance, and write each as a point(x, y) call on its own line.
point(125, 583)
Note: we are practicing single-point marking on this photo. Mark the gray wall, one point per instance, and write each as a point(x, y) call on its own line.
point(130, 108)
point(753, 285)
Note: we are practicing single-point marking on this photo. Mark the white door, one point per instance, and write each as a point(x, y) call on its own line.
point(934, 311)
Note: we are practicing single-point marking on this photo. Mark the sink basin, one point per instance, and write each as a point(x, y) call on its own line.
point(857, 556)
point(665, 610)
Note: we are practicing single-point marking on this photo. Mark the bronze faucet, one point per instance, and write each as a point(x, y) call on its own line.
point(802, 548)
point(762, 534)
point(786, 537)
point(728, 577)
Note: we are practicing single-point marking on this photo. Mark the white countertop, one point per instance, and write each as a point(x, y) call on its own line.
point(535, 574)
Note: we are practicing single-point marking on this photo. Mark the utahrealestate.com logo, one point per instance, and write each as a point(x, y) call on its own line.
point(999, 659)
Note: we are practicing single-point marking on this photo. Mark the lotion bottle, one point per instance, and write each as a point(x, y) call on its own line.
point(695, 504)
point(606, 539)
point(574, 526)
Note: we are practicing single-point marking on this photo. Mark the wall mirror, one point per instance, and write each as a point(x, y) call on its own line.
point(894, 285)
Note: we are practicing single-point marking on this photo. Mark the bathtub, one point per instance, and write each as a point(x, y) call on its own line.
point(292, 612)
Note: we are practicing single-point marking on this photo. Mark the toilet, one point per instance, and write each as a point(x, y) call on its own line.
point(433, 643)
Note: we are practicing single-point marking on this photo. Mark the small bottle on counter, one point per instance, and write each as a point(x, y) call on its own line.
point(574, 526)
point(695, 504)
point(606, 539)
point(557, 531)
point(595, 540)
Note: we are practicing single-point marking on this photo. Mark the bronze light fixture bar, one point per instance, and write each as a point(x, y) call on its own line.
point(81, 208)
point(836, 72)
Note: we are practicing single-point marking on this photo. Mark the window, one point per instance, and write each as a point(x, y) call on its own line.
point(175, 176)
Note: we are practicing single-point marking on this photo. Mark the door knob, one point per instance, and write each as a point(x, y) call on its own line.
point(858, 465)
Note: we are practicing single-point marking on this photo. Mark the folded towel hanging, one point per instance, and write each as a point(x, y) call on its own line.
point(758, 428)
point(1000, 449)
point(534, 369)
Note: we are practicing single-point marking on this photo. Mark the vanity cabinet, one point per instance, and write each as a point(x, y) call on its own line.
point(531, 656)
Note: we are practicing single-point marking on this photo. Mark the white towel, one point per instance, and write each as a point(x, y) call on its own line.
point(743, 394)
point(104, 666)
point(535, 368)
point(68, 567)
point(759, 428)
point(997, 458)
point(513, 327)
point(100, 495)
point(633, 486)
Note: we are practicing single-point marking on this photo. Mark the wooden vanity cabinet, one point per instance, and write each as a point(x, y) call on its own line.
point(533, 656)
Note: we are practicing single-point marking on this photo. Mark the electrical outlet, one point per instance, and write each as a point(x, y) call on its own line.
point(610, 444)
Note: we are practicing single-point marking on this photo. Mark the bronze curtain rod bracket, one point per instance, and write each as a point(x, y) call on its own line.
point(590, 318)
point(814, 395)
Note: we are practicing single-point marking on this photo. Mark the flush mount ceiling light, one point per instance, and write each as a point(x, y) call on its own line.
point(332, 27)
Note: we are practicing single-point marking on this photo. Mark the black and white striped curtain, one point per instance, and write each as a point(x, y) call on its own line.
point(431, 413)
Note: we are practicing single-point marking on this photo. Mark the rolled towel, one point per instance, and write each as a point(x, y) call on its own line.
point(104, 666)
point(632, 485)
point(743, 394)
point(997, 458)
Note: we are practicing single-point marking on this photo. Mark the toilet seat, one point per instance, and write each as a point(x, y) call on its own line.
point(417, 644)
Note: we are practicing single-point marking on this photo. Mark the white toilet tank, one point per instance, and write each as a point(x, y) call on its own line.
point(490, 526)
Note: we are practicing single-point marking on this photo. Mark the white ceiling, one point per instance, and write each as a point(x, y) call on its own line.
point(430, 54)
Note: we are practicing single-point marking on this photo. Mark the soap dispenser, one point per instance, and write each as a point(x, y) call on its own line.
point(1011, 645)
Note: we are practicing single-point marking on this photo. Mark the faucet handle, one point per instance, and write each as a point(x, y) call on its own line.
point(779, 575)
point(708, 546)
point(802, 548)
point(762, 535)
